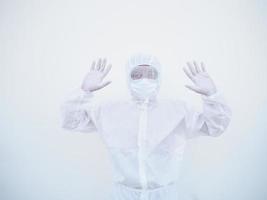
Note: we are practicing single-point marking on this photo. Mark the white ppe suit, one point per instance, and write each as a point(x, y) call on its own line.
point(145, 139)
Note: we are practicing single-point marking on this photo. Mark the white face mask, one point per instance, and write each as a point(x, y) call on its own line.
point(144, 88)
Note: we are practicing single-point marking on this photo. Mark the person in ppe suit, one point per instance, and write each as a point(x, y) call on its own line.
point(145, 136)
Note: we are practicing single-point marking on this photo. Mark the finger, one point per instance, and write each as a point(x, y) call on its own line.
point(193, 71)
point(107, 70)
point(196, 67)
point(93, 66)
point(194, 88)
point(203, 68)
point(188, 74)
point(103, 65)
point(98, 64)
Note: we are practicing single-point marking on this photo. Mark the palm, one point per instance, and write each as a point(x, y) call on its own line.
point(94, 79)
point(203, 84)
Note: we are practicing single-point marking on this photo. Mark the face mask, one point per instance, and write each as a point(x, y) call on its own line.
point(143, 88)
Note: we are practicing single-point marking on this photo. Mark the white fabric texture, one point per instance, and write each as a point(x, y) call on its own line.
point(145, 139)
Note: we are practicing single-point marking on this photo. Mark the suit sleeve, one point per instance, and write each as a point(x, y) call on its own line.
point(80, 112)
point(212, 121)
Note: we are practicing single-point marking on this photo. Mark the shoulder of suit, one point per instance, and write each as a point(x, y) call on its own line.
point(175, 102)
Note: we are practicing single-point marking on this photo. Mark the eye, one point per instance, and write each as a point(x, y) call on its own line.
point(152, 74)
point(136, 75)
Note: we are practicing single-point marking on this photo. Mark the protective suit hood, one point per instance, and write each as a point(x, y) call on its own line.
point(150, 85)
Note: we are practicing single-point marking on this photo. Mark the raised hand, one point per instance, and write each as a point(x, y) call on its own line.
point(203, 84)
point(94, 78)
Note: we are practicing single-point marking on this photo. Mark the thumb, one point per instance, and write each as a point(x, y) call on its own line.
point(105, 84)
point(194, 88)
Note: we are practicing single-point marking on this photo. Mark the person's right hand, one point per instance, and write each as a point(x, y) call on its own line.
point(94, 78)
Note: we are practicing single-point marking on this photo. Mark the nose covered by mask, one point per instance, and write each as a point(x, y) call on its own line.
point(144, 88)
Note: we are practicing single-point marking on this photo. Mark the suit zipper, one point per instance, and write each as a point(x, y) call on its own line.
point(142, 149)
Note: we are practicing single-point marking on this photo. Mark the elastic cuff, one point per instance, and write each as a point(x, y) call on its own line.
point(86, 93)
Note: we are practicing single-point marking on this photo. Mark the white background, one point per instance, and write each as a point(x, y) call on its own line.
point(46, 48)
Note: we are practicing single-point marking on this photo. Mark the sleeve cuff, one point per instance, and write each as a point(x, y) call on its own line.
point(86, 94)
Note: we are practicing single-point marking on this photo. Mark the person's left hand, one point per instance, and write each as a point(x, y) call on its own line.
point(203, 84)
